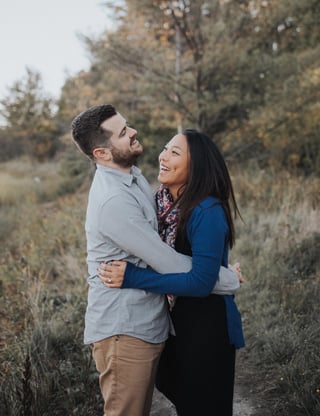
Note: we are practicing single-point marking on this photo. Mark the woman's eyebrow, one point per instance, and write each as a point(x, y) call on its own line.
point(177, 147)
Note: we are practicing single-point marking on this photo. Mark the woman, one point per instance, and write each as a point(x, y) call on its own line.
point(196, 205)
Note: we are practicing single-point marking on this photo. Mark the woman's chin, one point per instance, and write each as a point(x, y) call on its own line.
point(160, 179)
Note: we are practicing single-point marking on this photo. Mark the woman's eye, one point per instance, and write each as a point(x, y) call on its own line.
point(175, 153)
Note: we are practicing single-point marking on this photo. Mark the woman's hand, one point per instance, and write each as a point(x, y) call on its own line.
point(112, 273)
point(237, 269)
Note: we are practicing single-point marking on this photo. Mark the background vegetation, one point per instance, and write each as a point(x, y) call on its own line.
point(247, 73)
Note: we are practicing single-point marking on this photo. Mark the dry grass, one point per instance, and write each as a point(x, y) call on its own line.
point(45, 369)
point(14, 189)
point(279, 247)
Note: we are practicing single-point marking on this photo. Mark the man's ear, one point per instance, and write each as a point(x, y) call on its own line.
point(102, 153)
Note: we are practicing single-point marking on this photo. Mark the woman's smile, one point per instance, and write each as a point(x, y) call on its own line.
point(174, 164)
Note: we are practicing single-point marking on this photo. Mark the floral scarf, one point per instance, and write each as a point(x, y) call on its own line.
point(167, 223)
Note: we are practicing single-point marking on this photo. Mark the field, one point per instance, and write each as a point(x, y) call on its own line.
point(46, 370)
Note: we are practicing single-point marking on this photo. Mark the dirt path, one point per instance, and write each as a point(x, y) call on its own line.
point(162, 407)
point(242, 406)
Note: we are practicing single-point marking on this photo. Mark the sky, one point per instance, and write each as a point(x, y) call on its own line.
point(43, 35)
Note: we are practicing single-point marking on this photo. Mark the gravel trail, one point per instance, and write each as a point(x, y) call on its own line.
point(162, 407)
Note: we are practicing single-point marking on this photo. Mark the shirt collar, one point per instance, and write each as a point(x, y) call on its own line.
point(124, 177)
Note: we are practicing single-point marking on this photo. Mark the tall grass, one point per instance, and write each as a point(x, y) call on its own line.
point(46, 370)
point(279, 246)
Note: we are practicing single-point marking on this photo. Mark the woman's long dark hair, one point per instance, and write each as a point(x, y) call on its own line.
point(208, 176)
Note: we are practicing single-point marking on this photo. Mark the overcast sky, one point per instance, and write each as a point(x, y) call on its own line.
point(42, 35)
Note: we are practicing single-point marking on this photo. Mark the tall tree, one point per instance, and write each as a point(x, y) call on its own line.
point(284, 57)
point(246, 72)
point(28, 116)
point(175, 52)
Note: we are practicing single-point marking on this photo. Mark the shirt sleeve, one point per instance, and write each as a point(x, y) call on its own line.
point(131, 230)
point(207, 233)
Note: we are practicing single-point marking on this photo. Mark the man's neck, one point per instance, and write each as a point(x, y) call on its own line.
point(115, 166)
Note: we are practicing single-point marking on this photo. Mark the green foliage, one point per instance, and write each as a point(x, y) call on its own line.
point(245, 72)
point(28, 116)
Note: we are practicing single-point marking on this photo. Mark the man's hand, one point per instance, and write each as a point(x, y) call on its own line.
point(236, 268)
point(112, 273)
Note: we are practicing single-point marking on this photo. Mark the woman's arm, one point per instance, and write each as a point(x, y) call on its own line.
point(112, 275)
point(207, 232)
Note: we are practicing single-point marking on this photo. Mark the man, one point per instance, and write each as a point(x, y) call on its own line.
point(127, 327)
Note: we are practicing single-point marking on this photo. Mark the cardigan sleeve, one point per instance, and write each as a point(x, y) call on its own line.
point(207, 232)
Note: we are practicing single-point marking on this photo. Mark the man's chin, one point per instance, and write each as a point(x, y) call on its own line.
point(137, 149)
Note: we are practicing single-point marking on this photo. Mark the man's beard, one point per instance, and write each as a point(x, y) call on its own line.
point(124, 159)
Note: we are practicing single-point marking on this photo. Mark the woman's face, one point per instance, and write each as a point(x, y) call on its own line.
point(174, 164)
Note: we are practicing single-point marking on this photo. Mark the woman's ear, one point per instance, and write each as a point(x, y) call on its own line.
point(102, 153)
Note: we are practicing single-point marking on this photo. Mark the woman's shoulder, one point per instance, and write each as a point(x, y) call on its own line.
point(209, 211)
point(208, 207)
point(209, 202)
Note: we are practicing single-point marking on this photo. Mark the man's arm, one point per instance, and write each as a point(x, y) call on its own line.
point(228, 282)
point(123, 221)
point(133, 233)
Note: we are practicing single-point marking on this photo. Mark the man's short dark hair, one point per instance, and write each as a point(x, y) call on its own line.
point(87, 131)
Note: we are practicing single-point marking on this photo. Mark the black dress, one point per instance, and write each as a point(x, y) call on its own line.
point(196, 368)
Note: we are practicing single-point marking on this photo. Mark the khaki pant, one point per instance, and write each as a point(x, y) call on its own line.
point(127, 368)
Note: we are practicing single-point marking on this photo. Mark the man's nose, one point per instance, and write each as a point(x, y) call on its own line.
point(133, 131)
